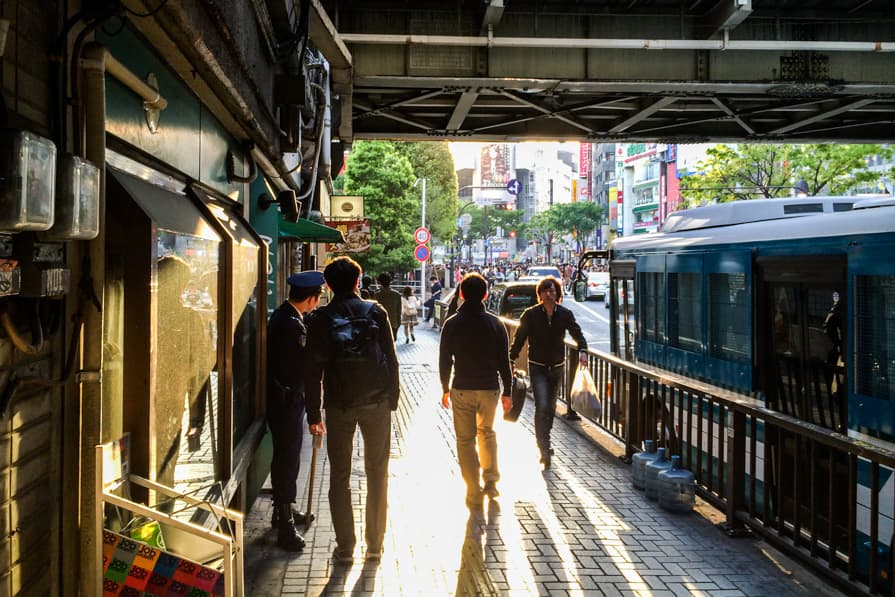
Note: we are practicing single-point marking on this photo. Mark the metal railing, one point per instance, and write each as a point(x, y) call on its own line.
point(803, 487)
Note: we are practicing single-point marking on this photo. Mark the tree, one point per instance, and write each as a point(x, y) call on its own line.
point(434, 162)
point(540, 229)
point(384, 177)
point(579, 219)
point(752, 171)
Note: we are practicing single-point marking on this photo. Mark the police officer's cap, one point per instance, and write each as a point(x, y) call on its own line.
point(306, 279)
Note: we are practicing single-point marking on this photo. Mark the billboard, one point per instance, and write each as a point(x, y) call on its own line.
point(495, 160)
point(357, 237)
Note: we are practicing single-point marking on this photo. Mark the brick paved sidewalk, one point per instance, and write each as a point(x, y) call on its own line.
point(578, 529)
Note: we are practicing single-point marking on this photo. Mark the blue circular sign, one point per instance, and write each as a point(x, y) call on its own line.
point(514, 187)
point(421, 252)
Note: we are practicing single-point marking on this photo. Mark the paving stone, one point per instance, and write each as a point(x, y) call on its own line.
point(579, 528)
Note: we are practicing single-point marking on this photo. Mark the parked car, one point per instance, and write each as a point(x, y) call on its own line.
point(510, 299)
point(597, 286)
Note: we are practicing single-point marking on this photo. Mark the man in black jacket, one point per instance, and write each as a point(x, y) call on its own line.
point(360, 390)
point(474, 346)
point(286, 341)
point(544, 326)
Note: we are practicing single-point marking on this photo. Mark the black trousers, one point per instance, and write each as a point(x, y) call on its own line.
point(285, 418)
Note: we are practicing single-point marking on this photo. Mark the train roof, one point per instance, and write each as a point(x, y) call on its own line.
point(754, 210)
point(869, 216)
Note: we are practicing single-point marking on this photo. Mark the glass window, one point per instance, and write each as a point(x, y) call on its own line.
point(729, 336)
point(684, 311)
point(652, 306)
point(245, 284)
point(875, 336)
point(185, 382)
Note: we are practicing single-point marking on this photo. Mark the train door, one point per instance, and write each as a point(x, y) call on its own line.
point(800, 337)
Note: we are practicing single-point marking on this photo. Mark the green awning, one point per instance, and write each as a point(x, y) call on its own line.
point(309, 232)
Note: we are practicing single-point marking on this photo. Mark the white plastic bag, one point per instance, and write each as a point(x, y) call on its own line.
point(583, 395)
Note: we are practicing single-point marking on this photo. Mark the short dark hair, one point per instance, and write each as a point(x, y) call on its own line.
point(408, 291)
point(300, 293)
point(474, 287)
point(548, 281)
point(385, 279)
point(342, 273)
point(366, 281)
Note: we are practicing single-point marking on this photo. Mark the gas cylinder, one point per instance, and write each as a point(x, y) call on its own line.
point(639, 462)
point(676, 487)
point(652, 472)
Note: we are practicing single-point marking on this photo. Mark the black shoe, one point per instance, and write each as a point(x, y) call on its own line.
point(491, 489)
point(571, 415)
point(287, 537)
point(299, 518)
point(546, 457)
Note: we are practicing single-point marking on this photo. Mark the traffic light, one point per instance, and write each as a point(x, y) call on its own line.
point(512, 234)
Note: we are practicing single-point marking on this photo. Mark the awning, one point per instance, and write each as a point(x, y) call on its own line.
point(309, 232)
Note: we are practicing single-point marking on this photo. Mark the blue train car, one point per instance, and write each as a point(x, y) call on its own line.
point(791, 301)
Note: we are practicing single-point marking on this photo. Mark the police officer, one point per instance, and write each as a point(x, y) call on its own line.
point(286, 338)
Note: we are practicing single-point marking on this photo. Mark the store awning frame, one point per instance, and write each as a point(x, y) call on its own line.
point(309, 232)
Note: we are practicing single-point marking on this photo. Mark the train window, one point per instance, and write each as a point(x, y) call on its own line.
point(652, 306)
point(729, 318)
point(803, 208)
point(685, 311)
point(875, 336)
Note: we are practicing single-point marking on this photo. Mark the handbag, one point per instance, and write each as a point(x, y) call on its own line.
point(518, 393)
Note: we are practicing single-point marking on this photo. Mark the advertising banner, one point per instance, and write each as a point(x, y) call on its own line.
point(357, 237)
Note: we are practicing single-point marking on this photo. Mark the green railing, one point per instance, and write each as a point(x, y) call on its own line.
point(801, 486)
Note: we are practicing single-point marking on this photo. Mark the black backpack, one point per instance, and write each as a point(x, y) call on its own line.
point(356, 364)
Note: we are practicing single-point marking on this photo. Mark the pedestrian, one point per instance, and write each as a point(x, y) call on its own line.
point(474, 348)
point(434, 295)
point(390, 300)
point(544, 326)
point(355, 362)
point(286, 356)
point(409, 308)
point(366, 291)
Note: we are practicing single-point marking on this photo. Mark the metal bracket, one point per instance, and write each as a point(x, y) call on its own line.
point(150, 107)
point(89, 376)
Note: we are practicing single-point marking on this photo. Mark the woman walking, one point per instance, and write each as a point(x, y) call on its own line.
point(409, 306)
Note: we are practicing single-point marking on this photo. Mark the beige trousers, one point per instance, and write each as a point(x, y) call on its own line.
point(474, 419)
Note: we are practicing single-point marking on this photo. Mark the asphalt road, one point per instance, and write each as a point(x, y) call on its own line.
point(593, 317)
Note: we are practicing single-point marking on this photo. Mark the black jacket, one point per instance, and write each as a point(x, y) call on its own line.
point(286, 339)
point(545, 335)
point(474, 344)
point(341, 389)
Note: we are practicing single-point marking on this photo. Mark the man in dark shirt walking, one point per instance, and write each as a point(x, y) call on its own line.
point(544, 326)
point(474, 346)
point(361, 390)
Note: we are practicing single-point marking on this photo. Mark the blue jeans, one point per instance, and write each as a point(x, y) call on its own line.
point(545, 383)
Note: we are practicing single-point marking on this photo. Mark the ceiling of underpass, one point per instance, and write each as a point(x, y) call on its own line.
point(612, 70)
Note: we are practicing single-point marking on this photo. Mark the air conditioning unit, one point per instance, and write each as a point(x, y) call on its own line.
point(346, 207)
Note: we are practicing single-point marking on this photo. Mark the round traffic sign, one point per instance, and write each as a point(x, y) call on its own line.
point(421, 253)
point(421, 235)
point(514, 187)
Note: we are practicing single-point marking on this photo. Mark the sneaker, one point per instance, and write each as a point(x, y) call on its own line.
point(406, 340)
point(491, 489)
point(343, 556)
point(546, 457)
point(572, 416)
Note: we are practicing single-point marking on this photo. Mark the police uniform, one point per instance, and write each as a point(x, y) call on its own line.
point(286, 340)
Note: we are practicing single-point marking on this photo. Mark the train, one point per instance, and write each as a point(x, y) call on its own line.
point(791, 303)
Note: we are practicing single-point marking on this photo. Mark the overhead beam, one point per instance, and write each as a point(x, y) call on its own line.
point(464, 104)
point(821, 116)
point(642, 114)
point(492, 16)
point(374, 111)
point(553, 113)
point(734, 116)
point(727, 15)
point(323, 34)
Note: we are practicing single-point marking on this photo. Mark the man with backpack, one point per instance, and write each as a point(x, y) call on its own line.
point(354, 360)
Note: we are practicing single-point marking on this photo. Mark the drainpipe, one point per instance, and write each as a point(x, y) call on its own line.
point(90, 377)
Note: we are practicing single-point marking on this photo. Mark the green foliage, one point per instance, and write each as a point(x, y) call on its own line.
point(580, 219)
point(756, 171)
point(384, 177)
point(434, 162)
point(479, 227)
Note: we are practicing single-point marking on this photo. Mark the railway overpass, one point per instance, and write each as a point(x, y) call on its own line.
point(678, 71)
